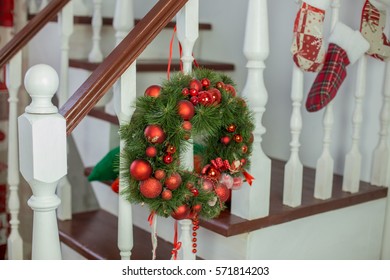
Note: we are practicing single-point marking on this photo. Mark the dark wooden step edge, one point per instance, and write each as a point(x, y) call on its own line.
point(228, 224)
point(155, 65)
point(93, 235)
point(100, 114)
point(109, 21)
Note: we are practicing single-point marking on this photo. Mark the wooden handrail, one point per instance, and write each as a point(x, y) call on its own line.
point(116, 63)
point(30, 30)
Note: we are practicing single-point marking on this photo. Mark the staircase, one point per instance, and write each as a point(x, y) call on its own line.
point(320, 227)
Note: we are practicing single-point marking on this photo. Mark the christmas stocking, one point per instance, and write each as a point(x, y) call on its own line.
point(372, 24)
point(345, 47)
point(307, 47)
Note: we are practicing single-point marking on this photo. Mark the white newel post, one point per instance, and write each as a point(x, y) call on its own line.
point(42, 142)
point(187, 33)
point(14, 81)
point(380, 163)
point(96, 54)
point(124, 99)
point(251, 202)
point(64, 190)
point(325, 164)
point(352, 167)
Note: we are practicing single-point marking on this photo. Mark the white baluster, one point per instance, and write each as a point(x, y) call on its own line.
point(187, 20)
point(64, 189)
point(124, 99)
point(293, 171)
point(185, 252)
point(43, 4)
point(32, 7)
point(14, 81)
point(352, 167)
point(96, 54)
point(253, 202)
point(380, 161)
point(42, 142)
point(325, 164)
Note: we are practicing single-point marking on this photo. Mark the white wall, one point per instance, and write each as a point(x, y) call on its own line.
point(225, 42)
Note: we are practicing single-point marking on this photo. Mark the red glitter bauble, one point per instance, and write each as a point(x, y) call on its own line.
point(166, 194)
point(154, 134)
point(186, 109)
point(186, 125)
point(159, 174)
point(171, 149)
point(194, 100)
point(197, 208)
point(185, 91)
point(168, 158)
point(205, 83)
point(115, 185)
point(225, 140)
point(216, 95)
point(193, 92)
point(150, 188)
point(222, 191)
point(244, 149)
point(151, 151)
point(140, 169)
point(195, 192)
point(173, 181)
point(230, 89)
point(213, 173)
point(231, 128)
point(181, 212)
point(220, 85)
point(196, 84)
point(205, 98)
point(153, 91)
point(237, 138)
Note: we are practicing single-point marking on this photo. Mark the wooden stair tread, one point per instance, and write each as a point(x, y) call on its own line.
point(228, 224)
point(109, 21)
point(155, 65)
point(94, 235)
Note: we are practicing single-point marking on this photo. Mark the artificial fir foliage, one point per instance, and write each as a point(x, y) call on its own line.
point(201, 108)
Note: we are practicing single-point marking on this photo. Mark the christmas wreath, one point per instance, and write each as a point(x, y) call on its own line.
point(202, 109)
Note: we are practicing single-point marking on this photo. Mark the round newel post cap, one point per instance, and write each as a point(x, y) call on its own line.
point(41, 82)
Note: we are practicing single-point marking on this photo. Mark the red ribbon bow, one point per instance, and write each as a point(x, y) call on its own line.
point(249, 178)
point(176, 244)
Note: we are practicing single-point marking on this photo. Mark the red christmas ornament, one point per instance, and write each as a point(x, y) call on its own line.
point(187, 136)
point(186, 125)
point(171, 149)
point(213, 173)
point(194, 100)
point(244, 149)
point(181, 212)
point(173, 181)
point(166, 194)
point(230, 89)
point(168, 158)
point(222, 192)
point(186, 109)
point(231, 128)
point(150, 188)
point(196, 84)
point(140, 169)
point(154, 134)
point(193, 92)
point(225, 140)
point(220, 85)
point(237, 138)
point(197, 208)
point(195, 192)
point(242, 161)
point(153, 91)
point(205, 83)
point(115, 185)
point(185, 91)
point(216, 95)
point(151, 151)
point(205, 98)
point(251, 138)
point(190, 185)
point(159, 174)
point(207, 185)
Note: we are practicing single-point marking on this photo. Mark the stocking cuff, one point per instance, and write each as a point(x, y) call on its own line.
point(352, 41)
point(320, 4)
